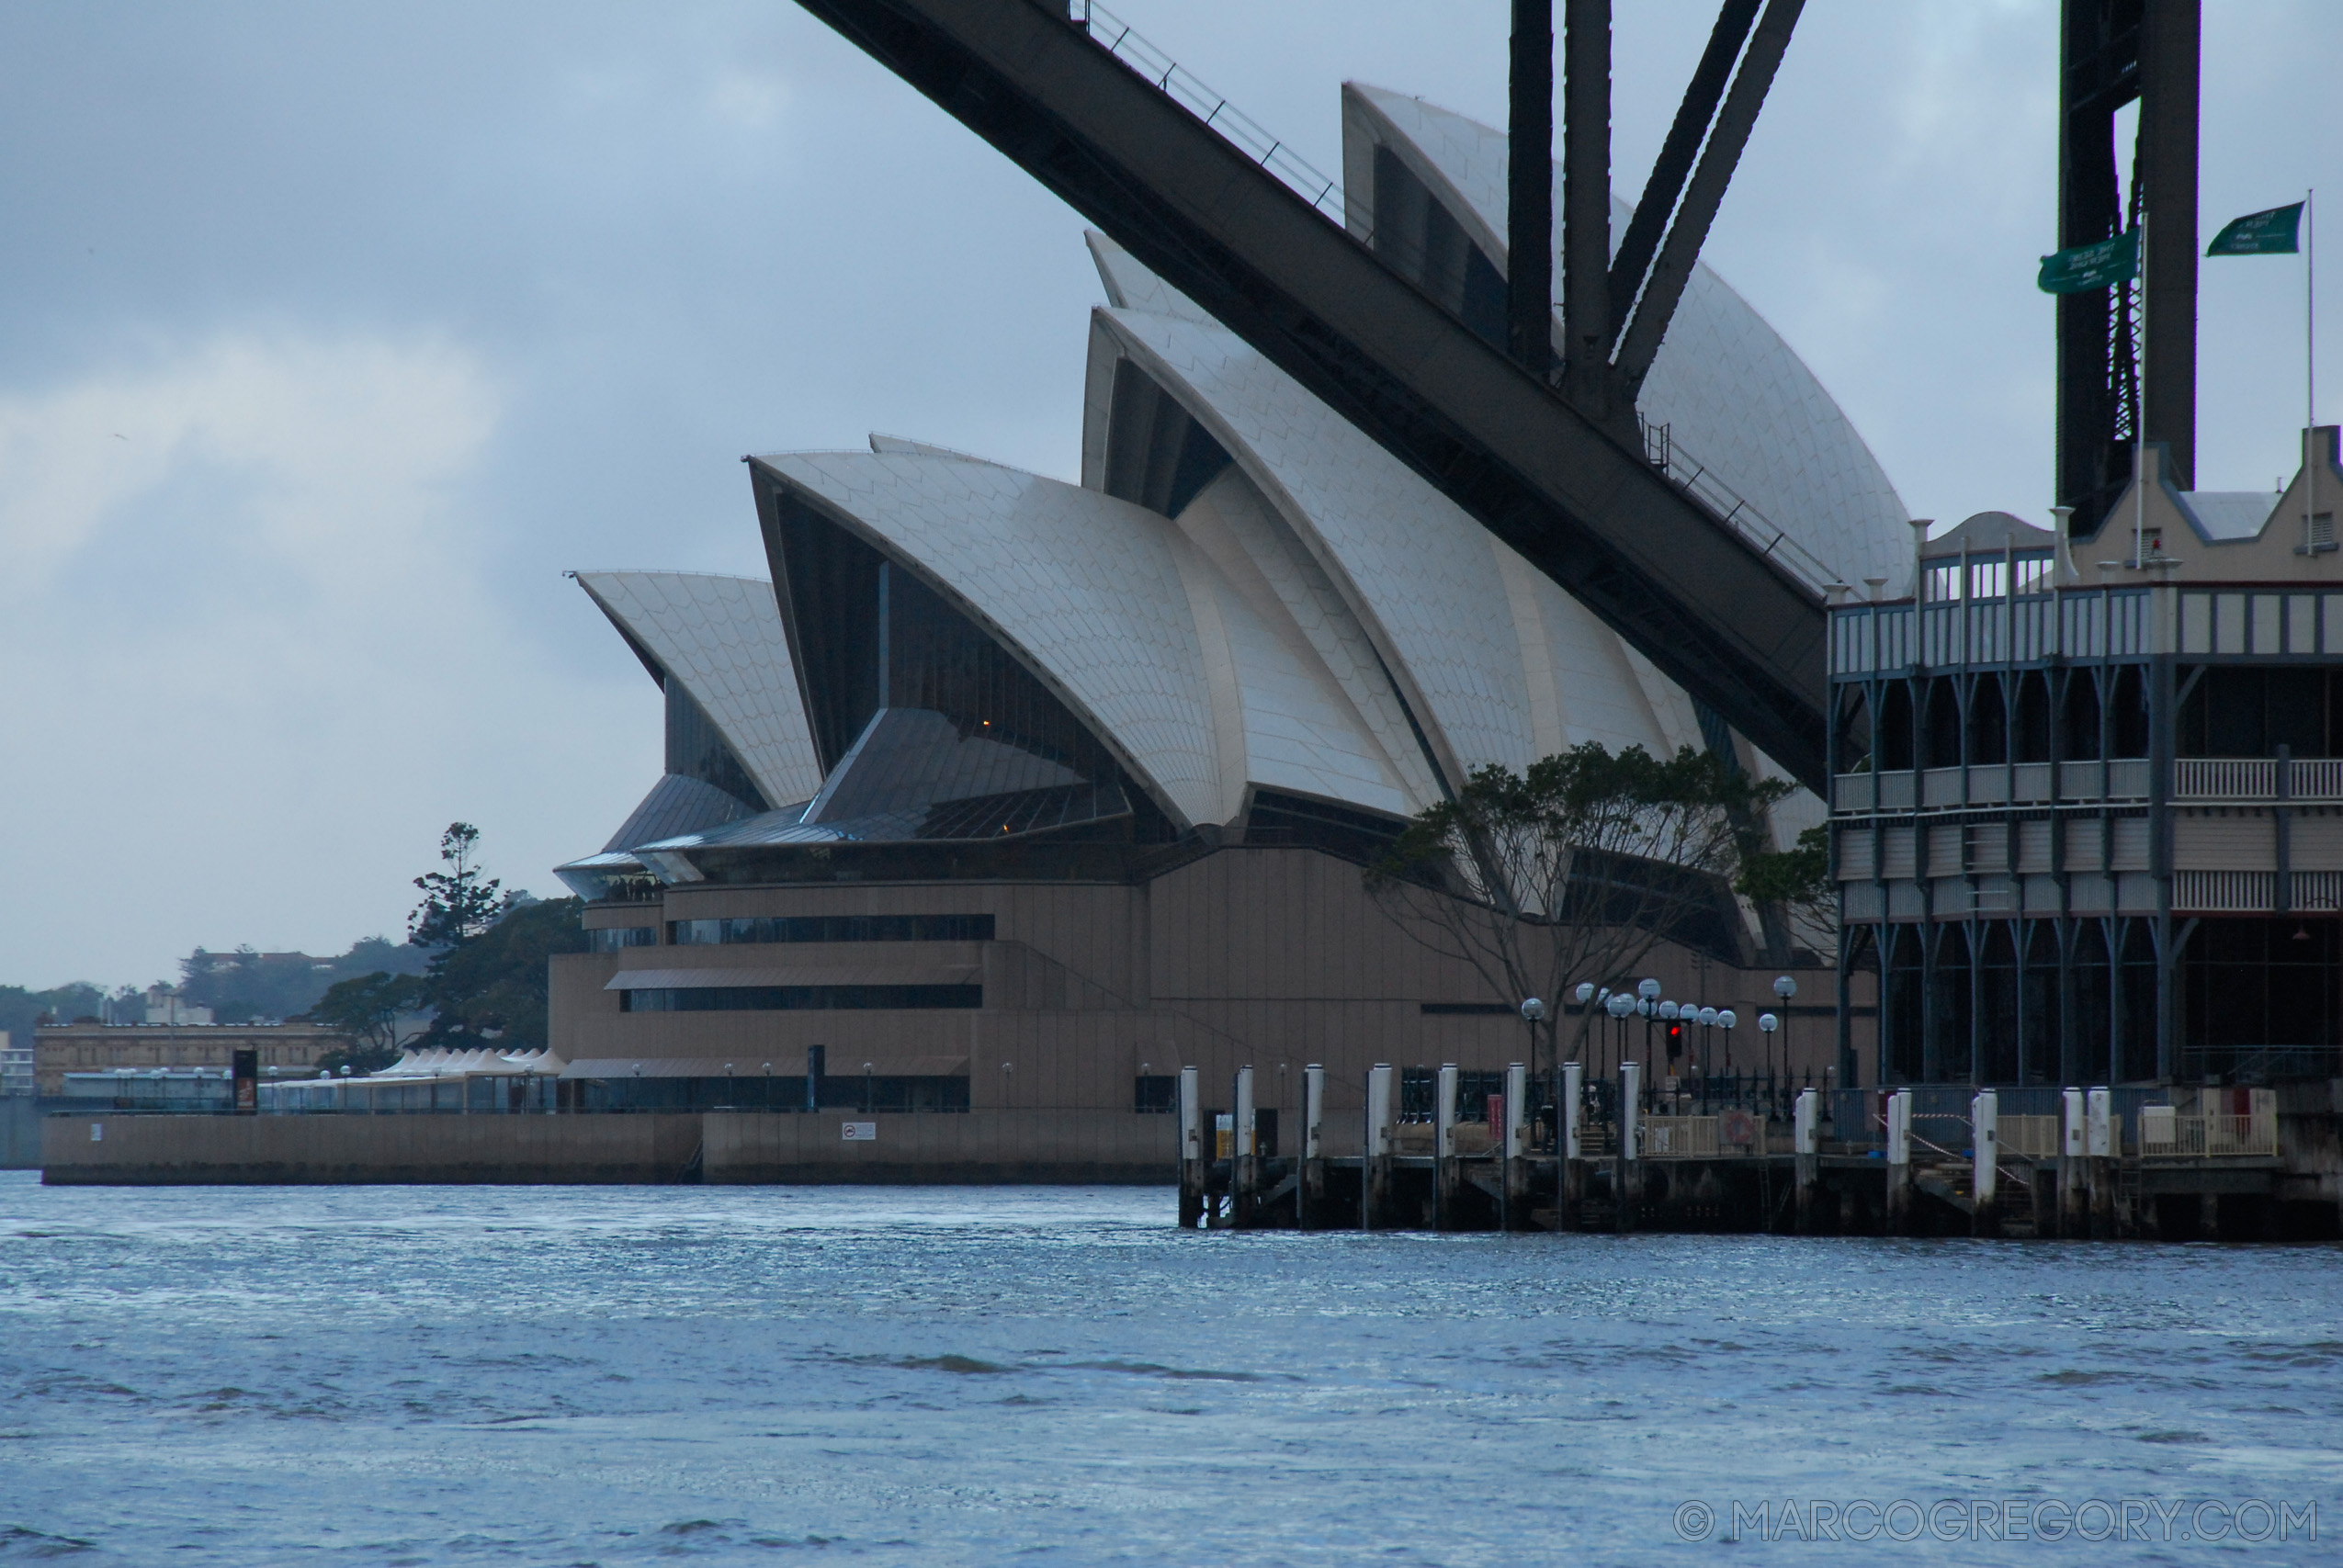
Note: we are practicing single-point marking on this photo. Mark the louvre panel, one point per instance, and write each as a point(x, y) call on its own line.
point(1855, 848)
point(1988, 847)
point(2033, 846)
point(2317, 843)
point(1897, 855)
point(2226, 843)
point(2082, 845)
point(1944, 851)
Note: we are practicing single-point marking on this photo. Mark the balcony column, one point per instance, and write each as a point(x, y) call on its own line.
point(2063, 931)
point(2020, 939)
point(2163, 727)
point(1970, 929)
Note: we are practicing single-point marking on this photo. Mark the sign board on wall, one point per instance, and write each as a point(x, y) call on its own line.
point(858, 1132)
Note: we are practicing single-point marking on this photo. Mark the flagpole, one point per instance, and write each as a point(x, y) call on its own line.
point(2310, 372)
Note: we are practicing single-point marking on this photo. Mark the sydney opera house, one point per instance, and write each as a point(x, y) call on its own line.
point(1011, 791)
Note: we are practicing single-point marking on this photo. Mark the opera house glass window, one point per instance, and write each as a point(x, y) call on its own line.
point(928, 728)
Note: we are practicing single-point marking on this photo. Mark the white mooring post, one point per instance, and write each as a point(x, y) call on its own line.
point(1516, 1172)
point(1375, 1170)
point(1629, 1180)
point(1569, 1153)
point(2073, 1152)
point(1192, 1162)
point(1805, 1142)
point(1444, 1150)
point(1309, 1192)
point(2099, 1145)
point(1243, 1167)
point(1985, 1185)
point(1899, 1162)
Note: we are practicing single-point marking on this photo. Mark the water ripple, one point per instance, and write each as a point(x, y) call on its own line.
point(637, 1375)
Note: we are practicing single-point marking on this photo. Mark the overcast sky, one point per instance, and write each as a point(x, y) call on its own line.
point(333, 336)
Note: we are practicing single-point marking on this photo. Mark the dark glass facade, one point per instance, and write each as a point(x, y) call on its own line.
point(929, 729)
point(614, 938)
point(761, 1092)
point(1423, 238)
point(833, 927)
point(1157, 456)
point(698, 750)
point(1352, 835)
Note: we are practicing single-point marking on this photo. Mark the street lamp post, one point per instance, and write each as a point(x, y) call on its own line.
point(1647, 1004)
point(1707, 1017)
point(1621, 1007)
point(1767, 1024)
point(1585, 994)
point(1726, 1020)
point(1532, 1011)
point(1784, 988)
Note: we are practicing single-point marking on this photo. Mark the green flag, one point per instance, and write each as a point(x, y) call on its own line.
point(2271, 233)
point(2085, 268)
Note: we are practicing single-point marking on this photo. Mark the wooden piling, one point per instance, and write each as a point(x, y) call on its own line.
point(2098, 1138)
point(1629, 1181)
point(1192, 1160)
point(1569, 1146)
point(2074, 1182)
point(1374, 1167)
point(1984, 1183)
point(1309, 1191)
point(1244, 1165)
point(1899, 1163)
point(1444, 1177)
point(1806, 1147)
point(1513, 1209)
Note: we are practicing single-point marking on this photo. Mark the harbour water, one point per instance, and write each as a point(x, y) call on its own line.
point(681, 1374)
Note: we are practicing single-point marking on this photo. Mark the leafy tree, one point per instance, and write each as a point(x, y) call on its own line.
point(368, 1007)
point(22, 1011)
point(1799, 880)
point(458, 903)
point(242, 986)
point(1574, 872)
point(491, 989)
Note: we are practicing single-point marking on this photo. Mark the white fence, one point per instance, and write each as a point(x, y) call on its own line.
point(2166, 1134)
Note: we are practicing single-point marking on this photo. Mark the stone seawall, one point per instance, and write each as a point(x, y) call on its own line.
point(726, 1147)
point(974, 1148)
point(147, 1151)
point(19, 1133)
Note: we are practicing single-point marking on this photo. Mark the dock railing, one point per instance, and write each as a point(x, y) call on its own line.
point(2166, 1134)
point(1680, 1137)
point(2032, 1137)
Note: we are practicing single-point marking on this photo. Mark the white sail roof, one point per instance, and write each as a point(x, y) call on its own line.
point(721, 636)
point(1084, 586)
point(1733, 394)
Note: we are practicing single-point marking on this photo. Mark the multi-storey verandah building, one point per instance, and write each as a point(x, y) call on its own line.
point(2088, 811)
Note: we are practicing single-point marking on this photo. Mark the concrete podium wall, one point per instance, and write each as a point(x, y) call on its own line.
point(984, 1146)
point(977, 1148)
point(294, 1150)
point(19, 1133)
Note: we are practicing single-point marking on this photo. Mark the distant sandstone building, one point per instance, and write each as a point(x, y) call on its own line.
point(284, 1049)
point(1012, 791)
